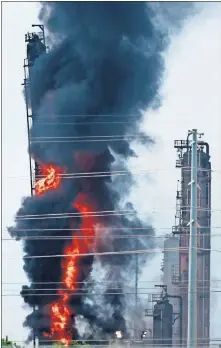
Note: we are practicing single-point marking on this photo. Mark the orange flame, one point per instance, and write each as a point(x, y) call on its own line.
point(60, 311)
point(60, 315)
point(52, 179)
point(70, 264)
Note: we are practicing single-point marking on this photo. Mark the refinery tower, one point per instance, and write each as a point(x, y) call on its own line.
point(35, 47)
point(175, 265)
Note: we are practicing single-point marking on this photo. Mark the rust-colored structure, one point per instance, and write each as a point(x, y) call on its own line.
point(181, 231)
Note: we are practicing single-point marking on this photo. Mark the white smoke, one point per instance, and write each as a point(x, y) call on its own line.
point(191, 99)
point(83, 326)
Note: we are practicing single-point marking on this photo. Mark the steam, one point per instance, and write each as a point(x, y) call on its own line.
point(105, 65)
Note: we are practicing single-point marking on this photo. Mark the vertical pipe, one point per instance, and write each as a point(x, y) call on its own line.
point(192, 276)
point(181, 321)
point(180, 316)
point(34, 335)
point(136, 280)
point(136, 276)
point(28, 127)
point(136, 291)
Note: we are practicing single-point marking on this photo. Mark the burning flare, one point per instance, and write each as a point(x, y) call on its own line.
point(61, 313)
point(52, 179)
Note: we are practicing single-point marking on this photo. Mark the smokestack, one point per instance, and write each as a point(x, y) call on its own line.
point(103, 69)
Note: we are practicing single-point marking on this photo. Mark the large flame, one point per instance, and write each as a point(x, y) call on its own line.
point(51, 180)
point(60, 312)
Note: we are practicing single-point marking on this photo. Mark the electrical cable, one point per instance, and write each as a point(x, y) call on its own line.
point(110, 173)
point(127, 340)
point(128, 252)
point(113, 289)
point(83, 123)
point(91, 115)
point(90, 136)
point(91, 294)
point(82, 140)
point(98, 237)
point(72, 215)
point(102, 281)
point(102, 213)
point(112, 229)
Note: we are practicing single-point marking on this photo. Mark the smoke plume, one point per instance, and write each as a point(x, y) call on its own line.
point(89, 91)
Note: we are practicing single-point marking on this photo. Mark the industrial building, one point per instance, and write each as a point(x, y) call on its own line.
point(175, 263)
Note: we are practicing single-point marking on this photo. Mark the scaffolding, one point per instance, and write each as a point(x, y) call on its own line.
point(35, 47)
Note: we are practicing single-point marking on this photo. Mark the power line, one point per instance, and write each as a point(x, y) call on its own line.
point(128, 252)
point(86, 140)
point(91, 294)
point(102, 213)
point(130, 341)
point(86, 115)
point(83, 123)
point(100, 282)
point(91, 136)
point(73, 215)
point(119, 288)
point(99, 237)
point(182, 228)
point(78, 237)
point(76, 175)
point(96, 174)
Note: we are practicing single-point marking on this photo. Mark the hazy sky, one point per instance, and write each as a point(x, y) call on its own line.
point(191, 99)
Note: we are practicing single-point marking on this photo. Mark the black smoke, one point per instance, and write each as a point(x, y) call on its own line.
point(103, 69)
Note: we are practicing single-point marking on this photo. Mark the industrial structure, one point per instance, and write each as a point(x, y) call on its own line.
point(170, 312)
point(176, 263)
point(35, 47)
point(203, 235)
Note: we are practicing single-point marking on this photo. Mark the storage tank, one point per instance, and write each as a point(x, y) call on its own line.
point(170, 271)
point(163, 324)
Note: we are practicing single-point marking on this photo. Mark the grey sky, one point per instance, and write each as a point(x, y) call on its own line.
point(17, 20)
point(191, 99)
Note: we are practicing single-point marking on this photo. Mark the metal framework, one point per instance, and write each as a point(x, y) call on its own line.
point(182, 229)
point(35, 46)
point(164, 295)
point(36, 42)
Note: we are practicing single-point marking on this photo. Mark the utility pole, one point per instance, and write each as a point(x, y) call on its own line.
point(34, 333)
point(136, 275)
point(136, 280)
point(192, 276)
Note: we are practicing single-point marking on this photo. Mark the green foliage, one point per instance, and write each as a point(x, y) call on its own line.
point(5, 342)
point(9, 344)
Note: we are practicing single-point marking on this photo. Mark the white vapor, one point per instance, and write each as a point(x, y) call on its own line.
point(191, 93)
